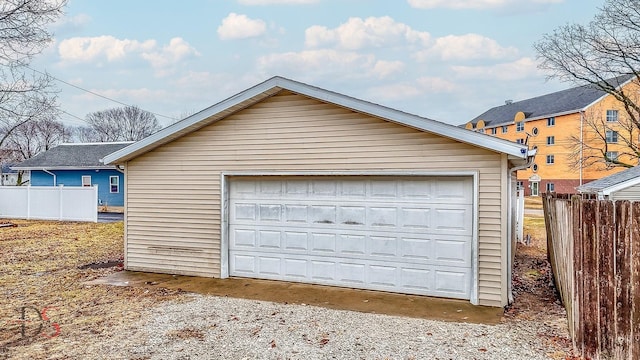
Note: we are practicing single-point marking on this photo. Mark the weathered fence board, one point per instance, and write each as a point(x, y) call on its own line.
point(600, 284)
point(635, 282)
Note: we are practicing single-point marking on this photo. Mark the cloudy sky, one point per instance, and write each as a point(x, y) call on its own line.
point(448, 60)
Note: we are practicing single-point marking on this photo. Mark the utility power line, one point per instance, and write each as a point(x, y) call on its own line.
point(95, 94)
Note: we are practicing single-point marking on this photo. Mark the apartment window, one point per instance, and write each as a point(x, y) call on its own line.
point(505, 129)
point(494, 131)
point(114, 184)
point(612, 115)
point(481, 131)
point(551, 187)
point(611, 156)
point(534, 167)
point(520, 185)
point(520, 141)
point(551, 159)
point(86, 180)
point(551, 121)
point(520, 126)
point(551, 140)
point(611, 136)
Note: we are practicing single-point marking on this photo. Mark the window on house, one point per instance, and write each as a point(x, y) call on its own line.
point(551, 121)
point(551, 187)
point(611, 156)
point(534, 167)
point(114, 184)
point(519, 185)
point(505, 128)
point(481, 131)
point(612, 115)
point(551, 159)
point(86, 180)
point(520, 141)
point(611, 136)
point(520, 126)
point(551, 140)
point(494, 131)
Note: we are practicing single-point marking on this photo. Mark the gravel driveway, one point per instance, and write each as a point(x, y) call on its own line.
point(210, 327)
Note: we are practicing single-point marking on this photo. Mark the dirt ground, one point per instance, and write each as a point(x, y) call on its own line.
point(46, 305)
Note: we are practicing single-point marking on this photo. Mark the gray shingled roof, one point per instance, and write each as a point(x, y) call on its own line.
point(565, 101)
point(611, 180)
point(72, 155)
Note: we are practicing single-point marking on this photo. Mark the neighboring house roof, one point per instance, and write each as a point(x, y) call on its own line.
point(613, 183)
point(276, 84)
point(555, 104)
point(6, 169)
point(72, 156)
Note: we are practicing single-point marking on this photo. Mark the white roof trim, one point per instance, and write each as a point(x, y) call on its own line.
point(278, 83)
point(620, 186)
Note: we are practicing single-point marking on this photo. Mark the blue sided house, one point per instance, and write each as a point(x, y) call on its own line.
point(79, 165)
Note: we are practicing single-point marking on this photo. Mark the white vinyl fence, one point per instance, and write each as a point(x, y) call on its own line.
point(49, 203)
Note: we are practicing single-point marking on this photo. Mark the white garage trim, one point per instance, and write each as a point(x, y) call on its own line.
point(225, 211)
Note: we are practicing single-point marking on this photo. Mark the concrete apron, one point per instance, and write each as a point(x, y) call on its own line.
point(367, 301)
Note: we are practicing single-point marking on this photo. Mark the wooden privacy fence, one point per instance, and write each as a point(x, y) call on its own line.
point(594, 249)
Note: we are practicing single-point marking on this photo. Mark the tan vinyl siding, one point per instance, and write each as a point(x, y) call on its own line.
point(174, 191)
point(631, 193)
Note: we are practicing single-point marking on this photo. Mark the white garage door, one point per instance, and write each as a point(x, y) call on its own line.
point(408, 235)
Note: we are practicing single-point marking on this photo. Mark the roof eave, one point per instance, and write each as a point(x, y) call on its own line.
point(102, 167)
point(274, 85)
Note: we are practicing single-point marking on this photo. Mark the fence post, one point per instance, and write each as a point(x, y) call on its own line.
point(590, 272)
point(623, 280)
point(578, 283)
point(635, 281)
point(60, 205)
point(29, 202)
point(606, 281)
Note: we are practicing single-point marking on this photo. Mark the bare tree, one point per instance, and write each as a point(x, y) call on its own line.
point(31, 138)
point(34, 137)
point(25, 95)
point(604, 54)
point(128, 123)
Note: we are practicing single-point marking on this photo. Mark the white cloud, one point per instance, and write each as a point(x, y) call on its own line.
point(277, 2)
point(466, 47)
point(316, 62)
point(72, 22)
point(176, 51)
point(520, 69)
point(96, 49)
point(358, 33)
point(473, 4)
point(238, 26)
point(383, 68)
point(84, 49)
point(405, 90)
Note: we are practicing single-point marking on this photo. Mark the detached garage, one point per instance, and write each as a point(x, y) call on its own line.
point(286, 181)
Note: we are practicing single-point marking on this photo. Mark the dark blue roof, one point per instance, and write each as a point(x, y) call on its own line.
point(85, 155)
point(565, 101)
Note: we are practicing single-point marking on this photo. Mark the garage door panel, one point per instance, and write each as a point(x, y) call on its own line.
point(410, 235)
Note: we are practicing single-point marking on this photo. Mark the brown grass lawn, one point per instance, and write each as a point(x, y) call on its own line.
point(41, 268)
point(533, 202)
